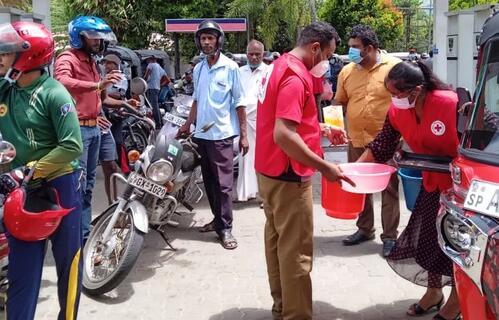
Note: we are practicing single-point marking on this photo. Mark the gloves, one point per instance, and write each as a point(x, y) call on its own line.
point(8, 183)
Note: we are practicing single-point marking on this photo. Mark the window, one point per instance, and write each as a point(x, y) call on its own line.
point(482, 134)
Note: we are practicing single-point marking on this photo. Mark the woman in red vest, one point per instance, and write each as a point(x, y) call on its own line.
point(423, 113)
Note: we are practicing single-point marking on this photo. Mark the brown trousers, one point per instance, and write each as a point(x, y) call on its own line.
point(288, 246)
point(390, 210)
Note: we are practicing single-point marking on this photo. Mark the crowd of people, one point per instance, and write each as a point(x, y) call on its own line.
point(60, 127)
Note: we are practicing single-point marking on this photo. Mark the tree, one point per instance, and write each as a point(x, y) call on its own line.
point(267, 18)
point(418, 25)
point(465, 4)
point(24, 5)
point(381, 15)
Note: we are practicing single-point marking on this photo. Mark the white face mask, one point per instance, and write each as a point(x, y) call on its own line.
point(403, 103)
point(320, 69)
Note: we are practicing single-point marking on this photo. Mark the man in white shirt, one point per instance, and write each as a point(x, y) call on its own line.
point(251, 77)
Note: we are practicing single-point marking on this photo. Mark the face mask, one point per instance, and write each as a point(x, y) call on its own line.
point(320, 69)
point(403, 103)
point(354, 55)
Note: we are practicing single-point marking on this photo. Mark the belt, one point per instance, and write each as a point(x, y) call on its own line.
point(88, 122)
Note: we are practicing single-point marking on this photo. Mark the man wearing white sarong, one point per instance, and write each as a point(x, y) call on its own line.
point(251, 76)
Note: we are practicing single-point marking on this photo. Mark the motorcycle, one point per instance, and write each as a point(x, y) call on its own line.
point(178, 115)
point(164, 176)
point(7, 155)
point(468, 220)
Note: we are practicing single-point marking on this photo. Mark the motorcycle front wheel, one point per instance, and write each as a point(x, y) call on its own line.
point(106, 266)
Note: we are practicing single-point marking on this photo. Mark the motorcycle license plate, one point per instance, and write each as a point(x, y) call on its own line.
point(146, 185)
point(483, 197)
point(174, 119)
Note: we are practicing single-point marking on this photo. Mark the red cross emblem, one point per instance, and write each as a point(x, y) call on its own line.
point(438, 128)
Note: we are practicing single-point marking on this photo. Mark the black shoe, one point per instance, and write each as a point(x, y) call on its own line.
point(357, 238)
point(387, 247)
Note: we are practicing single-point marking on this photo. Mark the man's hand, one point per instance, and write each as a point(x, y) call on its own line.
point(184, 130)
point(336, 135)
point(133, 102)
point(243, 145)
point(332, 172)
point(103, 123)
point(110, 78)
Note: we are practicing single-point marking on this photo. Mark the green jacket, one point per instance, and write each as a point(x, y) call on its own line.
point(41, 122)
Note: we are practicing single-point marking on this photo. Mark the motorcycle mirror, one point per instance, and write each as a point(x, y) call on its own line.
point(7, 152)
point(207, 126)
point(464, 105)
point(138, 86)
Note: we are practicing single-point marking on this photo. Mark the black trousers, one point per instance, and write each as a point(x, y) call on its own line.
point(217, 166)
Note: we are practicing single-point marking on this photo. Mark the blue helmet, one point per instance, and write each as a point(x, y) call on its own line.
point(90, 27)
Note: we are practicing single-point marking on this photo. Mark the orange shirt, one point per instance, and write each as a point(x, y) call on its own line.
point(366, 99)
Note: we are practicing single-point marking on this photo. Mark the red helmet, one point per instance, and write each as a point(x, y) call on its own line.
point(33, 44)
point(35, 215)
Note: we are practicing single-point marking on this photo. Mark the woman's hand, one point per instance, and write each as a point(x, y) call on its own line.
point(336, 135)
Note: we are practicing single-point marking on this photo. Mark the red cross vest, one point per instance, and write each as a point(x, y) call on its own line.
point(435, 134)
point(270, 160)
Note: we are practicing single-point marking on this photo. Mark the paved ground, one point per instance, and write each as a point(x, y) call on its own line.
point(203, 281)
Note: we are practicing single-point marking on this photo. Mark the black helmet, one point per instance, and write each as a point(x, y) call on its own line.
point(209, 26)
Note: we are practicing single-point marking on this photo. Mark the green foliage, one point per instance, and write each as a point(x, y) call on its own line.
point(275, 22)
point(465, 4)
point(418, 26)
point(24, 5)
point(378, 14)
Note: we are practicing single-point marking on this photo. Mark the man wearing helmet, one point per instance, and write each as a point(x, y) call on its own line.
point(39, 119)
point(76, 70)
point(218, 98)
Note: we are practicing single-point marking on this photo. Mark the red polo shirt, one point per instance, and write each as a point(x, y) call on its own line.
point(78, 73)
point(286, 93)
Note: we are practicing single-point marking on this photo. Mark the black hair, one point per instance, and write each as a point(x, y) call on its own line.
point(407, 75)
point(321, 32)
point(365, 34)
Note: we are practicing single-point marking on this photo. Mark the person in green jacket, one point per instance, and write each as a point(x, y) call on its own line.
point(37, 115)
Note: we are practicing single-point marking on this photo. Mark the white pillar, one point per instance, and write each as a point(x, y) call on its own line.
point(440, 7)
point(465, 42)
point(42, 7)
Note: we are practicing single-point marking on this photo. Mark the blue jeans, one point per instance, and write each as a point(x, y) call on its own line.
point(153, 97)
point(26, 260)
point(88, 162)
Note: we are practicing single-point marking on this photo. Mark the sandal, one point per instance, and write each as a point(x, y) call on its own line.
point(227, 240)
point(419, 311)
point(209, 227)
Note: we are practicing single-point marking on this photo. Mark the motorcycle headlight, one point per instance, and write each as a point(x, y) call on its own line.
point(160, 171)
point(458, 234)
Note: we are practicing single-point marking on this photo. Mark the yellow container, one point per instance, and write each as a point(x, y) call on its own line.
point(333, 115)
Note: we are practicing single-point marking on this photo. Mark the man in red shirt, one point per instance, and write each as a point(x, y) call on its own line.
point(288, 152)
point(76, 69)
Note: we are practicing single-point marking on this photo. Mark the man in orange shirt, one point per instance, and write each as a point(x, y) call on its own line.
point(362, 92)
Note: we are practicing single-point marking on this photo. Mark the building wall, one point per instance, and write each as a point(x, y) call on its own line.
point(40, 14)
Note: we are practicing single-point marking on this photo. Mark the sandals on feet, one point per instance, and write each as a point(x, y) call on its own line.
point(227, 240)
point(209, 227)
point(418, 311)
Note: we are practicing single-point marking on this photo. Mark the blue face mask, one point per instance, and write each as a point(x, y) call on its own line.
point(354, 55)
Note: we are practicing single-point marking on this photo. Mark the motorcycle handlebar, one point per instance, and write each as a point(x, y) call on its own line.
point(138, 115)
